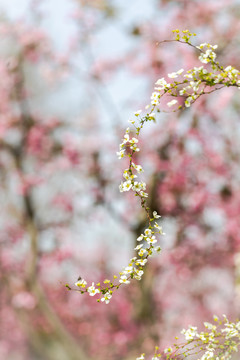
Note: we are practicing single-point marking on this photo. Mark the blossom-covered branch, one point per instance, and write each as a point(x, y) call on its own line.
point(190, 86)
point(218, 341)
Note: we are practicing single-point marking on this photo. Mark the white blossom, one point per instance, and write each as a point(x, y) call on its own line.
point(137, 113)
point(175, 74)
point(138, 247)
point(171, 103)
point(81, 283)
point(121, 154)
point(140, 238)
point(141, 262)
point(92, 291)
point(155, 215)
point(142, 252)
point(148, 232)
point(106, 298)
point(124, 280)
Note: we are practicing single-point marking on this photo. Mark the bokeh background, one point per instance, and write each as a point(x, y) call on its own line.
point(72, 73)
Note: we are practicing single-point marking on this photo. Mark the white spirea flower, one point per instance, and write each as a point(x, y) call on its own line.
point(128, 270)
point(125, 138)
point(143, 194)
point(139, 272)
point(138, 168)
point(128, 176)
point(195, 85)
point(175, 74)
point(137, 277)
point(148, 232)
point(135, 148)
point(209, 355)
point(140, 238)
point(171, 103)
point(125, 186)
point(138, 247)
point(133, 259)
point(121, 188)
point(155, 98)
point(131, 121)
point(168, 350)
point(141, 262)
point(106, 298)
point(151, 240)
point(124, 280)
point(189, 100)
point(208, 325)
point(121, 154)
point(142, 252)
point(159, 228)
point(201, 46)
point(155, 215)
point(157, 249)
point(152, 116)
point(188, 76)
point(81, 283)
point(92, 291)
point(137, 186)
point(137, 113)
point(161, 82)
point(133, 141)
point(208, 56)
point(190, 333)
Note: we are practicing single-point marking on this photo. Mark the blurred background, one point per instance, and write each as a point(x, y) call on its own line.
point(72, 73)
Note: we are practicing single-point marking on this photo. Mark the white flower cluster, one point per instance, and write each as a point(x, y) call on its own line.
point(228, 74)
point(232, 330)
point(81, 283)
point(215, 349)
point(92, 290)
point(207, 54)
point(232, 73)
point(134, 269)
point(129, 182)
point(127, 142)
point(218, 342)
point(195, 80)
point(175, 74)
point(190, 333)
